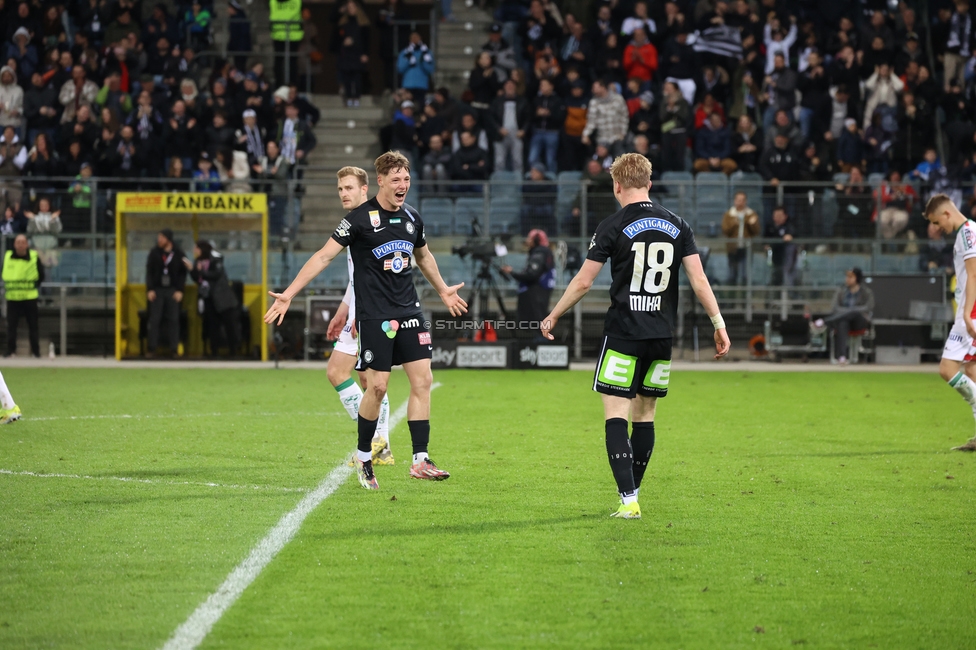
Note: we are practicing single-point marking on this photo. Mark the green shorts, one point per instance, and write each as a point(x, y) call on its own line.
point(627, 368)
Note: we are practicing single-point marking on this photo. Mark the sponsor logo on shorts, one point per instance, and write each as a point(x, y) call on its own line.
point(413, 322)
point(368, 356)
point(658, 375)
point(424, 338)
point(617, 369)
point(390, 327)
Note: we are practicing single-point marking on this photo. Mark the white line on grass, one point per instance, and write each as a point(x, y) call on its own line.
point(126, 416)
point(130, 479)
point(196, 628)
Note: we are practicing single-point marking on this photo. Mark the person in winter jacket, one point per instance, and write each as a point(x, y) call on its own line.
point(11, 99)
point(77, 92)
point(216, 302)
point(416, 67)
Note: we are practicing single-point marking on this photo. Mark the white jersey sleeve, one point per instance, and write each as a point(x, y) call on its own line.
point(963, 249)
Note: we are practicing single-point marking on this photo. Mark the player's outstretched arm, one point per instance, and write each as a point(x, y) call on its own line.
point(577, 288)
point(449, 294)
point(315, 265)
point(703, 290)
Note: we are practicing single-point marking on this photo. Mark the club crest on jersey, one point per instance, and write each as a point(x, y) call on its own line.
point(391, 247)
point(374, 218)
point(396, 263)
point(410, 228)
point(642, 225)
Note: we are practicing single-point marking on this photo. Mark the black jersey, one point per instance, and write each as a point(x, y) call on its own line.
point(382, 245)
point(645, 244)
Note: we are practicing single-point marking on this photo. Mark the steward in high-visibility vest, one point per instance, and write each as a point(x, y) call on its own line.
point(22, 273)
point(286, 20)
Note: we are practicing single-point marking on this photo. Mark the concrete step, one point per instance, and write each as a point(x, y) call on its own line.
point(323, 169)
point(347, 136)
point(342, 151)
point(336, 101)
point(363, 113)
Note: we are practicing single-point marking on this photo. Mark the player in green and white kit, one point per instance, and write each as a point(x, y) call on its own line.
point(956, 366)
point(353, 188)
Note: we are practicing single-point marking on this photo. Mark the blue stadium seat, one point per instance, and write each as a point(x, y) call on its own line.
point(875, 178)
point(74, 266)
point(438, 215)
point(504, 215)
point(749, 182)
point(465, 210)
point(453, 269)
point(568, 184)
point(711, 187)
point(678, 187)
point(841, 177)
point(603, 278)
point(505, 184)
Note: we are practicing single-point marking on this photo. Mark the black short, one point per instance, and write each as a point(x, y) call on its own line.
point(626, 368)
point(387, 343)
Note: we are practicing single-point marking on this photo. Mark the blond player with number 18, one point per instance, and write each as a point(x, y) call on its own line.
point(646, 245)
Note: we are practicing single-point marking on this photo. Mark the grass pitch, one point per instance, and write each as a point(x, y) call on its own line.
point(815, 510)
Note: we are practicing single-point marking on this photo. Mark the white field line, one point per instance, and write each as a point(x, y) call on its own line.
point(196, 628)
point(130, 479)
point(125, 416)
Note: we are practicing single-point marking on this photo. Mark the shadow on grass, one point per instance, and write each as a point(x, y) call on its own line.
point(850, 454)
point(474, 528)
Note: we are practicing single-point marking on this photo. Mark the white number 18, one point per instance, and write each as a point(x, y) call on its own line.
point(652, 266)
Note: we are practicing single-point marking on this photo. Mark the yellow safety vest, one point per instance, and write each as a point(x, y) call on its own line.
point(20, 276)
point(282, 13)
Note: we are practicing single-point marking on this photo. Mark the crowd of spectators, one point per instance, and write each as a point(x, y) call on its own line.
point(791, 91)
point(110, 89)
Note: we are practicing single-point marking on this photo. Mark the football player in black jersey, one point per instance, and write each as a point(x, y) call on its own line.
point(646, 245)
point(386, 239)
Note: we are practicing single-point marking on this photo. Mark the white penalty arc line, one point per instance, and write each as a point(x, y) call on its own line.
point(130, 479)
point(196, 628)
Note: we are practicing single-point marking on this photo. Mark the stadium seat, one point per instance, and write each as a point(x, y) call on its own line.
point(74, 266)
point(603, 278)
point(438, 215)
point(503, 215)
point(678, 187)
point(505, 184)
point(712, 186)
point(466, 209)
point(749, 182)
point(875, 178)
point(841, 177)
point(568, 184)
point(707, 211)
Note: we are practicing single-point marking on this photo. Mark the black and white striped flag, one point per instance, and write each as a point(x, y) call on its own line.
point(720, 39)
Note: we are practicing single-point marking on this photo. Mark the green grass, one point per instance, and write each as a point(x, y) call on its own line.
point(816, 510)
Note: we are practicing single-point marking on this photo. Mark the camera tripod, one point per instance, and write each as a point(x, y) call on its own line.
point(484, 289)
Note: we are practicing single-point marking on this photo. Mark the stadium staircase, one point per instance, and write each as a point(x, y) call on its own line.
point(458, 43)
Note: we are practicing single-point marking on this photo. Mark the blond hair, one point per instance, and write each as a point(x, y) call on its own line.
point(391, 161)
point(631, 170)
point(358, 172)
point(936, 202)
